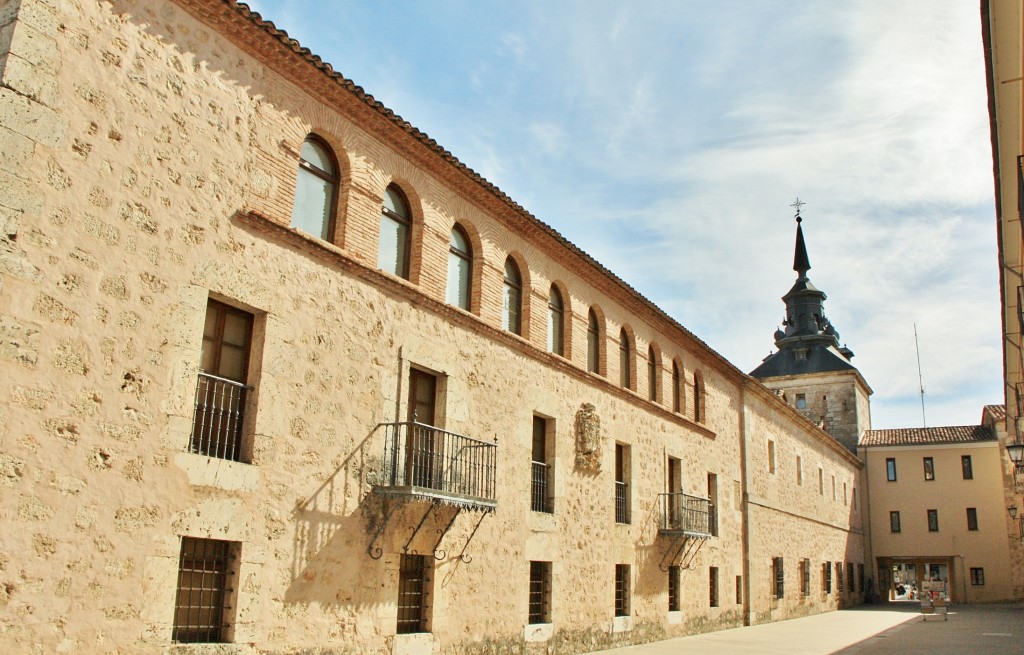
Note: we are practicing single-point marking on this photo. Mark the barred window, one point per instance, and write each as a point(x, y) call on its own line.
point(977, 577)
point(206, 573)
point(739, 589)
point(540, 592)
point(622, 590)
point(412, 594)
point(541, 487)
point(673, 589)
point(805, 577)
point(826, 574)
point(778, 574)
point(849, 577)
point(713, 586)
point(839, 577)
point(622, 504)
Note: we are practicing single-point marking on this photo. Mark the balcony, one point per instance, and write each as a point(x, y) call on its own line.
point(428, 463)
point(219, 416)
point(686, 515)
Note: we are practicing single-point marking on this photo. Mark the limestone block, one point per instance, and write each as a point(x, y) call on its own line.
point(31, 119)
point(19, 193)
point(31, 82)
point(15, 154)
point(18, 341)
point(37, 13)
point(203, 471)
point(31, 45)
point(225, 519)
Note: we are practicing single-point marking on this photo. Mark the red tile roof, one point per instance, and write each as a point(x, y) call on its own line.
point(998, 412)
point(927, 436)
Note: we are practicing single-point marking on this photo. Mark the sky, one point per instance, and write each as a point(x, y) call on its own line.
point(668, 139)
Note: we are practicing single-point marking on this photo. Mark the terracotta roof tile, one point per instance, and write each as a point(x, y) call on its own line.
point(998, 412)
point(927, 436)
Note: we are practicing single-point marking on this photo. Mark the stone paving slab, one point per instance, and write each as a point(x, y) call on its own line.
point(866, 630)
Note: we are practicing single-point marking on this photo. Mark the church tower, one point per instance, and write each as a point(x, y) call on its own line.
point(810, 370)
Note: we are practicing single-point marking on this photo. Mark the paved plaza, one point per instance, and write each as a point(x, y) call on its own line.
point(866, 630)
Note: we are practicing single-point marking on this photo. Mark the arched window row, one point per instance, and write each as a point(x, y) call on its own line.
point(317, 193)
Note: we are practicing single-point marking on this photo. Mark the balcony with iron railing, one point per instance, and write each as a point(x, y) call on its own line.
point(219, 417)
point(683, 514)
point(425, 462)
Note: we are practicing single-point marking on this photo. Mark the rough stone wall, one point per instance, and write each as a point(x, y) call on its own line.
point(137, 139)
point(836, 402)
point(792, 517)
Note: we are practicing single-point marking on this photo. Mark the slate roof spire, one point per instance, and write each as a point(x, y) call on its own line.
point(801, 263)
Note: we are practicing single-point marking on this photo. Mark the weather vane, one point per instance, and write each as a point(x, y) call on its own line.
point(798, 205)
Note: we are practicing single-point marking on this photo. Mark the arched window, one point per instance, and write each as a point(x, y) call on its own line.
point(653, 366)
point(677, 388)
point(315, 189)
point(460, 267)
point(625, 359)
point(512, 301)
point(395, 227)
point(556, 314)
point(593, 343)
point(698, 397)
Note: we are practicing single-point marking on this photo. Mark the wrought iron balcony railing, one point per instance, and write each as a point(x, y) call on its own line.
point(540, 488)
point(683, 514)
point(427, 462)
point(219, 416)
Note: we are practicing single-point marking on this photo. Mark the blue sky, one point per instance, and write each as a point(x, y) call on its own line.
point(668, 139)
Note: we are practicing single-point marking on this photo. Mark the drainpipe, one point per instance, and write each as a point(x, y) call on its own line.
point(744, 505)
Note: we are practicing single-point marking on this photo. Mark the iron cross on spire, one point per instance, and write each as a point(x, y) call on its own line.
point(798, 205)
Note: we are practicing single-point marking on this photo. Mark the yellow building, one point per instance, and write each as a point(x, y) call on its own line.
point(937, 519)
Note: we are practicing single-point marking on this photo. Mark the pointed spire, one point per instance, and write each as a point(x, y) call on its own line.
point(801, 263)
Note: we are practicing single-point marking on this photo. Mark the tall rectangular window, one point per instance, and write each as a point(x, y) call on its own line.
point(977, 577)
point(713, 504)
point(221, 390)
point(540, 592)
point(890, 469)
point(713, 586)
point(799, 471)
point(673, 589)
point(621, 483)
point(853, 499)
point(860, 578)
point(541, 489)
point(205, 572)
point(929, 468)
point(965, 465)
point(778, 576)
point(849, 577)
point(821, 481)
point(972, 518)
point(805, 577)
point(894, 522)
point(412, 594)
point(839, 577)
point(622, 590)
point(771, 456)
point(933, 520)
point(739, 589)
point(826, 574)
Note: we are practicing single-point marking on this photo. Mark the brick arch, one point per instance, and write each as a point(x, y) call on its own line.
point(526, 314)
point(563, 291)
point(340, 157)
point(476, 263)
point(415, 203)
point(678, 392)
point(699, 392)
point(602, 338)
point(654, 391)
point(627, 351)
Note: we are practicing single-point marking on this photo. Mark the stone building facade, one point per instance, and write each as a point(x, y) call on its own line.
point(278, 372)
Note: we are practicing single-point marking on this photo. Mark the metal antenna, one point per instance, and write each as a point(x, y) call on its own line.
point(920, 380)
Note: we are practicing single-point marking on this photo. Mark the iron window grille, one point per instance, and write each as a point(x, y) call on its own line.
point(205, 572)
point(839, 577)
point(621, 502)
point(713, 586)
point(540, 592)
point(849, 577)
point(805, 577)
point(412, 594)
point(977, 577)
point(673, 589)
point(827, 572)
point(219, 417)
point(540, 495)
point(622, 590)
point(778, 573)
